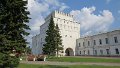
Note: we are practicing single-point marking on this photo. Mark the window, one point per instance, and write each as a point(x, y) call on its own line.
point(101, 52)
point(83, 44)
point(107, 50)
point(106, 39)
point(115, 39)
point(88, 52)
point(94, 42)
point(117, 51)
point(84, 52)
point(88, 43)
point(65, 35)
point(64, 20)
point(100, 41)
point(95, 52)
point(79, 44)
point(80, 52)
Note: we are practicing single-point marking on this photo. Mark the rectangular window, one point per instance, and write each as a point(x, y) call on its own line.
point(80, 52)
point(100, 41)
point(115, 39)
point(83, 44)
point(106, 39)
point(79, 44)
point(94, 42)
point(84, 52)
point(88, 52)
point(107, 50)
point(117, 51)
point(101, 52)
point(88, 43)
point(95, 52)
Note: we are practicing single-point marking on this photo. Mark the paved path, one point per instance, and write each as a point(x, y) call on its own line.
point(69, 63)
point(94, 57)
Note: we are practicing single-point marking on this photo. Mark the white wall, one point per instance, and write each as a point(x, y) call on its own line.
point(69, 30)
point(111, 44)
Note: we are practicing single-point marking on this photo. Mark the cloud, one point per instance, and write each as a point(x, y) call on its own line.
point(92, 23)
point(108, 1)
point(118, 11)
point(39, 9)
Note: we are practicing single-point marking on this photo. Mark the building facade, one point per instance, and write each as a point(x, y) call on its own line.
point(104, 44)
point(69, 30)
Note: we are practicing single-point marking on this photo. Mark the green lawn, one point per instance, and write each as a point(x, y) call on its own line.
point(76, 59)
point(58, 66)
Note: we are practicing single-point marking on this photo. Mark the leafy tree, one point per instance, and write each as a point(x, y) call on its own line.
point(13, 26)
point(53, 40)
point(58, 40)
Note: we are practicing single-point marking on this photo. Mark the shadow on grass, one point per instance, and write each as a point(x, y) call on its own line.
point(53, 66)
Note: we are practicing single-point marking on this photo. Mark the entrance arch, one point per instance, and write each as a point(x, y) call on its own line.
point(69, 52)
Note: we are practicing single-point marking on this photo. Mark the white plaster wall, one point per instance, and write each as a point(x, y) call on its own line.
point(69, 30)
point(111, 44)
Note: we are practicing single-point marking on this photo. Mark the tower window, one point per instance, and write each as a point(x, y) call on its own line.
point(65, 35)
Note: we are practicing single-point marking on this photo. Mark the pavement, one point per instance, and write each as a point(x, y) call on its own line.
point(69, 63)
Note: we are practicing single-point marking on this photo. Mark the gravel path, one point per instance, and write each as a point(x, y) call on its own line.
point(69, 63)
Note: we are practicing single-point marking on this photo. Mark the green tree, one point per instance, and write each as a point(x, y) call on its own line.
point(13, 26)
point(49, 48)
point(28, 50)
point(58, 40)
point(53, 40)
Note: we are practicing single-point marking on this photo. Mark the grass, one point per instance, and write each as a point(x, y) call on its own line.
point(58, 66)
point(76, 59)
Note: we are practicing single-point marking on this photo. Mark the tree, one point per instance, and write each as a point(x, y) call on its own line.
point(13, 26)
point(28, 50)
point(58, 40)
point(53, 40)
point(49, 48)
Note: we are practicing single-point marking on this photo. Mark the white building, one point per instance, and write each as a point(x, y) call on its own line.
point(104, 44)
point(69, 30)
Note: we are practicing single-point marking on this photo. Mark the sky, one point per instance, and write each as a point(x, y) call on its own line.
point(94, 16)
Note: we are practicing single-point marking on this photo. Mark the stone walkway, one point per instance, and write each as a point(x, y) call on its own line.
point(69, 63)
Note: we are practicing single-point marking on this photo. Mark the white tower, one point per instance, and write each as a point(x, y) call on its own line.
point(69, 30)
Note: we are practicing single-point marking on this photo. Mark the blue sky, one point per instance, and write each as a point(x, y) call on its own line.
point(94, 15)
point(111, 5)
